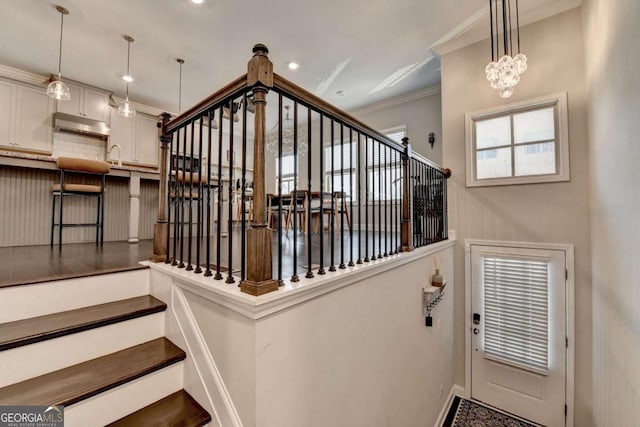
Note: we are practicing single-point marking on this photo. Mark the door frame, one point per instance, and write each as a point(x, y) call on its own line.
point(569, 311)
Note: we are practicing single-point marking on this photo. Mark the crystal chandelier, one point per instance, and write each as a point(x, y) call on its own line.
point(57, 89)
point(287, 137)
point(504, 73)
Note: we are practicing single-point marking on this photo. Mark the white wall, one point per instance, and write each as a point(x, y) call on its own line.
point(421, 116)
point(612, 32)
point(555, 212)
point(359, 356)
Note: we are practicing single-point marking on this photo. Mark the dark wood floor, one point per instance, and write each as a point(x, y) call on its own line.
point(31, 264)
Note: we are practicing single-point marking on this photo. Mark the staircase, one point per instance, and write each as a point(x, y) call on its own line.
point(96, 346)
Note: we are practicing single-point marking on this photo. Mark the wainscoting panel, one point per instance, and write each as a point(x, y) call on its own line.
point(25, 211)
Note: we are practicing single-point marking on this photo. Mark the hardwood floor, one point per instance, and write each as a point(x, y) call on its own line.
point(32, 264)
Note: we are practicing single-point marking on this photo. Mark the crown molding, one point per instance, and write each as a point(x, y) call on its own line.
point(23, 76)
point(392, 102)
point(140, 108)
point(476, 28)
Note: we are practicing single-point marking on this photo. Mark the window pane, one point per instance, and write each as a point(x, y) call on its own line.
point(493, 132)
point(535, 159)
point(535, 125)
point(493, 163)
point(287, 165)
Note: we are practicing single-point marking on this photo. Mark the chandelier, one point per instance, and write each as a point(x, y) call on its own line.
point(287, 137)
point(504, 73)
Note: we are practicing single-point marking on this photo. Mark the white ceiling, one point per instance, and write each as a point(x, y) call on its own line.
point(358, 46)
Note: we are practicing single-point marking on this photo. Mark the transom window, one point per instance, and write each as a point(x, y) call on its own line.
point(518, 144)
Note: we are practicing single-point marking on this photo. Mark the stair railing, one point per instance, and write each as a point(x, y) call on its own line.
point(376, 196)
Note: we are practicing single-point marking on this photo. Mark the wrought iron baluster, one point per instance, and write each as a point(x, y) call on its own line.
point(190, 198)
point(358, 172)
point(200, 187)
point(380, 200)
point(232, 160)
point(280, 282)
point(332, 267)
point(211, 117)
point(294, 276)
point(169, 203)
point(366, 198)
point(218, 275)
point(342, 204)
point(309, 194)
point(322, 176)
point(180, 194)
point(243, 229)
point(351, 193)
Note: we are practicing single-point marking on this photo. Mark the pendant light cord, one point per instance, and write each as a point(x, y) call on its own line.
point(518, 25)
point(493, 58)
point(60, 49)
point(180, 90)
point(128, 60)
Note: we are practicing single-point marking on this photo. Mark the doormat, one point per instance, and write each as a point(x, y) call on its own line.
point(465, 413)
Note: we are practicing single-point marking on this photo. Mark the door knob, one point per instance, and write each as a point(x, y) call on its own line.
point(476, 331)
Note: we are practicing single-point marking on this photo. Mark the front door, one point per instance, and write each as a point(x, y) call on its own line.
point(518, 340)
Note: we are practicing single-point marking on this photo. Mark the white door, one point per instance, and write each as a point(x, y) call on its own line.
point(123, 133)
point(96, 105)
point(147, 142)
point(518, 340)
point(34, 123)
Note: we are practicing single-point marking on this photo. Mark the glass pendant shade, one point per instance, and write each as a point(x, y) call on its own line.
point(58, 90)
point(127, 109)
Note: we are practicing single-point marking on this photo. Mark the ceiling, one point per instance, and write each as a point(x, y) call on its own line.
point(371, 50)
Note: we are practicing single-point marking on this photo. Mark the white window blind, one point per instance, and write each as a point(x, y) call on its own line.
point(516, 311)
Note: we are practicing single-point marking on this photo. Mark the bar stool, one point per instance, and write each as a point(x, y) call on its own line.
point(75, 166)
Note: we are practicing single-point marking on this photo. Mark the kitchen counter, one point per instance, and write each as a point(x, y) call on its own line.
point(42, 161)
point(132, 190)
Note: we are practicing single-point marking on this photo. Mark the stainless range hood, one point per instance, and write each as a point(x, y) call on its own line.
point(69, 123)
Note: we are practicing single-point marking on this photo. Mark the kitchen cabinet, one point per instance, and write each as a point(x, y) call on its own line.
point(86, 102)
point(28, 124)
point(137, 138)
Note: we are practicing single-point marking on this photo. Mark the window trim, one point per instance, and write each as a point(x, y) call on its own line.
point(558, 100)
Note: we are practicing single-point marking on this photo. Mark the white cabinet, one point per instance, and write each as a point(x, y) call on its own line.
point(137, 137)
point(28, 122)
point(86, 102)
point(147, 142)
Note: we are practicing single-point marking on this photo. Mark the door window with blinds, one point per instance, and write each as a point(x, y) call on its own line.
point(518, 144)
point(516, 321)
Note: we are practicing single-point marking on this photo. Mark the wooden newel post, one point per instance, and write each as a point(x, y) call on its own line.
point(259, 236)
point(161, 227)
point(405, 230)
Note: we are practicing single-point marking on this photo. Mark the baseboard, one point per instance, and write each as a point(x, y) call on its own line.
point(456, 390)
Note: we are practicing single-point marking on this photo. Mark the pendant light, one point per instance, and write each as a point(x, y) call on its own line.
point(127, 109)
point(504, 72)
point(57, 89)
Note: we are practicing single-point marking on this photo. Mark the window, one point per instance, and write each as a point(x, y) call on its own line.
point(384, 167)
point(349, 154)
point(288, 175)
point(518, 144)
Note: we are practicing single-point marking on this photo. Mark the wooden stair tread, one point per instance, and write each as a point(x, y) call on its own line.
point(176, 410)
point(29, 331)
point(75, 383)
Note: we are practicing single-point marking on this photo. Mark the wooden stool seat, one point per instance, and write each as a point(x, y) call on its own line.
point(76, 166)
point(77, 188)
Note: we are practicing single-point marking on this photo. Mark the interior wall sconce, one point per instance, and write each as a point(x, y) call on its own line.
point(432, 139)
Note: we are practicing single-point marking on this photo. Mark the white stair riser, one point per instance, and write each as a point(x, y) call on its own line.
point(125, 399)
point(39, 299)
point(21, 363)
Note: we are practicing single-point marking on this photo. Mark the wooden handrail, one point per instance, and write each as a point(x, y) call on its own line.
point(308, 99)
point(202, 106)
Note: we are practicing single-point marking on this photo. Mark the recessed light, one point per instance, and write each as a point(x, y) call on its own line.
point(127, 78)
point(293, 65)
point(197, 1)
